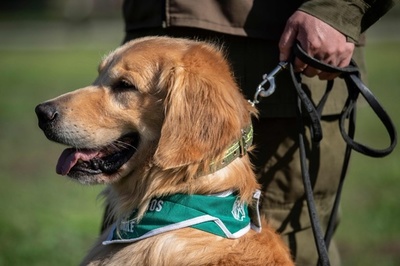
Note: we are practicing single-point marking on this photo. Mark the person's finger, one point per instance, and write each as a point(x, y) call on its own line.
point(327, 75)
point(299, 65)
point(311, 72)
point(287, 41)
point(346, 55)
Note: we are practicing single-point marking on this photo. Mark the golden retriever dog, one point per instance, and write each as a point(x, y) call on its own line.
point(165, 126)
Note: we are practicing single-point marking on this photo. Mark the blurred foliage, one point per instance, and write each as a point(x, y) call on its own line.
point(74, 10)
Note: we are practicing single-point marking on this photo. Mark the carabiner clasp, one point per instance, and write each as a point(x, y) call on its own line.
point(268, 78)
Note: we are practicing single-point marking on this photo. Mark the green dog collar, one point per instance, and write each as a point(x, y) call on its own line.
point(237, 149)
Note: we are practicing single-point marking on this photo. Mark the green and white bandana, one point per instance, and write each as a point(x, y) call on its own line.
point(220, 214)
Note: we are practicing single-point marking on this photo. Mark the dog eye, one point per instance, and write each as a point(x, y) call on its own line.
point(123, 85)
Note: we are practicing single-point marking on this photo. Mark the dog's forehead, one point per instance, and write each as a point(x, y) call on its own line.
point(142, 53)
point(150, 48)
point(143, 59)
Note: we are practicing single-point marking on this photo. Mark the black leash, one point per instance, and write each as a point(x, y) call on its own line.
point(306, 108)
point(355, 87)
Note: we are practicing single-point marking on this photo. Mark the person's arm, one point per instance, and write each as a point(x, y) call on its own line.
point(351, 17)
point(327, 30)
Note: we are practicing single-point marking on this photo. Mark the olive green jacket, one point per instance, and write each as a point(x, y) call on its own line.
point(254, 18)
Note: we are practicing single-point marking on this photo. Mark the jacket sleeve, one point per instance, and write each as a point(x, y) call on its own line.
point(351, 17)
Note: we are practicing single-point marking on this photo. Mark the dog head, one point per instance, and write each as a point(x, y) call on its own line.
point(157, 101)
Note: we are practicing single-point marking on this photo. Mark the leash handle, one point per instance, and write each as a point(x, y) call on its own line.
point(309, 60)
point(355, 86)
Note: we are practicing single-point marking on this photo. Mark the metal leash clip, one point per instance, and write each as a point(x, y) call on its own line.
point(268, 78)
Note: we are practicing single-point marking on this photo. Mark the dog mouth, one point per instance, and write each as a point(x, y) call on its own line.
point(108, 160)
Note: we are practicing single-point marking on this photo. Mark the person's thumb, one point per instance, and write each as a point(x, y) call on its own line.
point(286, 42)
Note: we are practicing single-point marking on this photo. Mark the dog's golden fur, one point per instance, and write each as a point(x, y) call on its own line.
point(180, 97)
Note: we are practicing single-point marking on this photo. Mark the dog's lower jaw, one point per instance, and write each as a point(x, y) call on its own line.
point(98, 179)
point(135, 166)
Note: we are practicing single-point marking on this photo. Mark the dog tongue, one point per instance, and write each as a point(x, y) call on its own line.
point(70, 157)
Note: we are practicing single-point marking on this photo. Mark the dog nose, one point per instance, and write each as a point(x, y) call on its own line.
point(47, 113)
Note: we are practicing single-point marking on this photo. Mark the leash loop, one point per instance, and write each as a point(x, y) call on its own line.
point(355, 87)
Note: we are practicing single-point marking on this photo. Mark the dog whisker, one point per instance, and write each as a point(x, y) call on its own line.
point(122, 145)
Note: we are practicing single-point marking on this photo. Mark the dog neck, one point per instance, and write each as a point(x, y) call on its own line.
point(231, 171)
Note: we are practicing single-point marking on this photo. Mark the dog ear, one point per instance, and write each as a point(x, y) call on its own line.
point(205, 110)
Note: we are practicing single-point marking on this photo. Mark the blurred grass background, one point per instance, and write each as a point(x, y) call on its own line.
point(49, 220)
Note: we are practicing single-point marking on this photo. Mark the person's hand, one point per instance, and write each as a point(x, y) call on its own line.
point(319, 40)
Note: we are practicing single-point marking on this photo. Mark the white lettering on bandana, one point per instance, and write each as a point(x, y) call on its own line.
point(224, 215)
